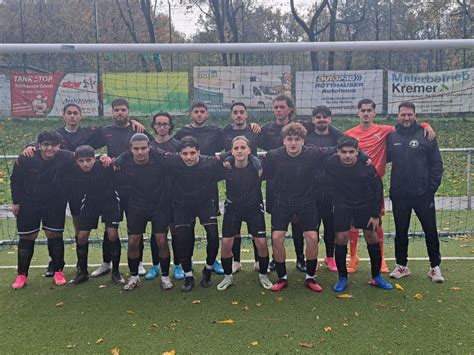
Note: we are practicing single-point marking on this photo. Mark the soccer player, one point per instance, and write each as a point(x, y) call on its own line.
point(147, 203)
point(372, 139)
point(324, 135)
point(99, 199)
point(291, 170)
point(271, 138)
point(162, 124)
point(357, 193)
point(243, 203)
point(417, 169)
point(39, 197)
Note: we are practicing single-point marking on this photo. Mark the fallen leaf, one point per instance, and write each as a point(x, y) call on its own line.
point(102, 286)
point(418, 296)
point(115, 351)
point(254, 343)
point(245, 250)
point(356, 314)
point(327, 329)
point(278, 299)
point(196, 302)
point(345, 324)
point(399, 287)
point(246, 308)
point(258, 304)
point(60, 304)
point(70, 346)
point(171, 352)
point(154, 325)
point(131, 312)
point(306, 345)
point(455, 288)
point(99, 341)
point(234, 302)
point(380, 305)
point(345, 295)
point(225, 321)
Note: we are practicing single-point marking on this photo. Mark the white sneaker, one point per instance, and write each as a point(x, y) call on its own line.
point(435, 274)
point(166, 283)
point(103, 269)
point(256, 266)
point(399, 272)
point(265, 281)
point(141, 269)
point(236, 267)
point(133, 283)
point(226, 283)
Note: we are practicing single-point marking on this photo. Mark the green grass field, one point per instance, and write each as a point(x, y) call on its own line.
point(97, 317)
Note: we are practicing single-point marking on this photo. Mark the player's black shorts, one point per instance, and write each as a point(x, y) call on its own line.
point(92, 209)
point(138, 219)
point(75, 201)
point(345, 217)
point(254, 216)
point(51, 215)
point(124, 196)
point(324, 206)
point(185, 215)
point(307, 215)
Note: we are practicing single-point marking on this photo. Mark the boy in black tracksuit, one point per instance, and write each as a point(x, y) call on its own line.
point(417, 170)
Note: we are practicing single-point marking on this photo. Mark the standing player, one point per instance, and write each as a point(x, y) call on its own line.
point(324, 135)
point(271, 138)
point(243, 203)
point(99, 199)
point(358, 193)
point(39, 197)
point(372, 139)
point(417, 169)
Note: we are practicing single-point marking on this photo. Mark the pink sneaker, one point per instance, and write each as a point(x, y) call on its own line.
point(330, 263)
point(59, 278)
point(20, 282)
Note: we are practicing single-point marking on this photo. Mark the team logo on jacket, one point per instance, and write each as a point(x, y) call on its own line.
point(413, 143)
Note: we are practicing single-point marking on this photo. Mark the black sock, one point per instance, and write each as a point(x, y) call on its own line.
point(82, 251)
point(133, 266)
point(56, 251)
point(255, 250)
point(280, 269)
point(341, 253)
point(175, 250)
point(106, 249)
point(375, 258)
point(26, 249)
point(298, 240)
point(311, 266)
point(227, 265)
point(263, 264)
point(212, 248)
point(141, 247)
point(165, 266)
point(236, 248)
point(155, 250)
point(115, 253)
point(185, 243)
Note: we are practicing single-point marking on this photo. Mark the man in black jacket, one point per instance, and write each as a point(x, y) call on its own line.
point(417, 169)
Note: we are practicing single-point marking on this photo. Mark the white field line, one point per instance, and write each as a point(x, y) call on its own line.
point(6, 267)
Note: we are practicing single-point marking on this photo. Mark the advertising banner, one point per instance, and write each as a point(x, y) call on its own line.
point(45, 94)
point(255, 86)
point(147, 93)
point(338, 90)
point(435, 92)
point(5, 102)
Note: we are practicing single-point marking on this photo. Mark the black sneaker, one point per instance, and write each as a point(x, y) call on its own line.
point(188, 284)
point(117, 278)
point(301, 265)
point(80, 277)
point(271, 265)
point(206, 278)
point(50, 270)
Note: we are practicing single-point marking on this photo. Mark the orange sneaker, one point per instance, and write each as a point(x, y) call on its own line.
point(353, 263)
point(59, 278)
point(20, 282)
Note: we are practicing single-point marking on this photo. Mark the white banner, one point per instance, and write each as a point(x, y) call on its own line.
point(80, 89)
point(338, 90)
point(436, 92)
point(5, 102)
point(255, 86)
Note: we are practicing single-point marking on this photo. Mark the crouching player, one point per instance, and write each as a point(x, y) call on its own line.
point(243, 203)
point(357, 192)
point(39, 195)
point(100, 199)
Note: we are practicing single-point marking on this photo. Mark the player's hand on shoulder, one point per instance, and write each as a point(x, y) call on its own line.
point(255, 127)
point(374, 223)
point(429, 133)
point(137, 126)
point(29, 152)
point(106, 160)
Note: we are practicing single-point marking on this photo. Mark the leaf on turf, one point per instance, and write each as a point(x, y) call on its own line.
point(245, 308)
point(278, 299)
point(171, 352)
point(345, 324)
point(356, 314)
point(131, 312)
point(345, 295)
point(115, 351)
point(225, 321)
point(380, 305)
point(328, 329)
point(455, 288)
point(306, 345)
point(60, 304)
point(258, 304)
point(234, 302)
point(70, 346)
point(154, 325)
point(196, 302)
point(418, 296)
point(254, 343)
point(399, 287)
point(102, 286)
point(245, 250)
point(99, 341)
